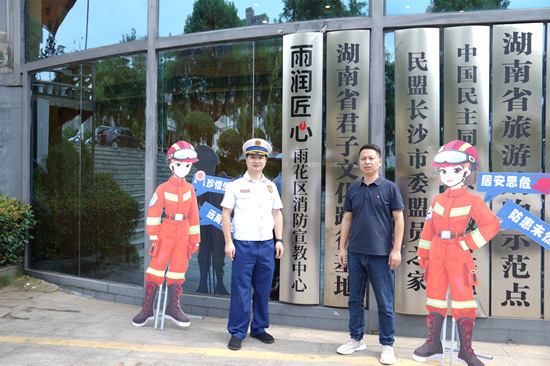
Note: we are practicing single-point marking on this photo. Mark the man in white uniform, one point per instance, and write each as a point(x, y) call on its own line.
point(256, 204)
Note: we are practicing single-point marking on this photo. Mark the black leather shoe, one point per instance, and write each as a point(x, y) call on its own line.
point(264, 337)
point(234, 343)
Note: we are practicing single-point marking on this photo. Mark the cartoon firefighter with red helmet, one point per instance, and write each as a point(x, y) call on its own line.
point(175, 239)
point(444, 250)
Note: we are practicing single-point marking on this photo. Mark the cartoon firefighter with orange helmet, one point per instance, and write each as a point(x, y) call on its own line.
point(175, 239)
point(444, 250)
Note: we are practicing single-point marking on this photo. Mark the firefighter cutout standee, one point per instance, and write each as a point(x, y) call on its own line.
point(444, 253)
point(174, 239)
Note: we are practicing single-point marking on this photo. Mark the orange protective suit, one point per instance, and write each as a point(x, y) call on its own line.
point(444, 250)
point(178, 236)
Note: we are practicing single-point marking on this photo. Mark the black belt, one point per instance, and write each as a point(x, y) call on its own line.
point(177, 217)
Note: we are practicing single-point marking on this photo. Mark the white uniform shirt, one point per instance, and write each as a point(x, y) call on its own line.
point(252, 204)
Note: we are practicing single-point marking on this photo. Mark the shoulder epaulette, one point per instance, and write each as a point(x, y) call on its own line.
point(237, 177)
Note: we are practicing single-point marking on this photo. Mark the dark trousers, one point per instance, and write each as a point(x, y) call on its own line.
point(381, 278)
point(253, 268)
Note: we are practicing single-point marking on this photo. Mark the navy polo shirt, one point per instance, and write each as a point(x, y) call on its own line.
point(372, 207)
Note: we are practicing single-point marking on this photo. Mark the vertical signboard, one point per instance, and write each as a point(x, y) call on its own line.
point(347, 110)
point(417, 141)
point(301, 165)
point(546, 299)
point(466, 88)
point(466, 114)
point(517, 147)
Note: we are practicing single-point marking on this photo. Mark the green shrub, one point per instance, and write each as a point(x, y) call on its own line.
point(233, 168)
point(81, 213)
point(230, 151)
point(199, 127)
point(16, 219)
point(230, 144)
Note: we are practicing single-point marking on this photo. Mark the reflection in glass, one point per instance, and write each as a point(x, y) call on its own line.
point(404, 7)
point(217, 97)
point(307, 10)
point(88, 195)
point(443, 6)
point(55, 27)
point(389, 77)
point(6, 59)
point(177, 17)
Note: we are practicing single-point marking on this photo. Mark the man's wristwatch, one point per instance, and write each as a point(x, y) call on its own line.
point(279, 241)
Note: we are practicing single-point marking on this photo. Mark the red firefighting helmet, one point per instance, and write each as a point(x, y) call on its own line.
point(455, 153)
point(181, 151)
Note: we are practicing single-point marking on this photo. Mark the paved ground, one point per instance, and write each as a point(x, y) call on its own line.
point(59, 328)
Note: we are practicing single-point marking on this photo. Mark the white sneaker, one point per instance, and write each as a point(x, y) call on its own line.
point(351, 346)
point(387, 357)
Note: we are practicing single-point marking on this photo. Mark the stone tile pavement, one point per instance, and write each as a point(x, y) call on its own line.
point(62, 329)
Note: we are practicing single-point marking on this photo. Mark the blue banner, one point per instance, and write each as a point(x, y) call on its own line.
point(206, 183)
point(497, 183)
point(515, 217)
point(210, 215)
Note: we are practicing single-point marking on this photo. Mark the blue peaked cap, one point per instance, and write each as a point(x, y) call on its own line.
point(257, 146)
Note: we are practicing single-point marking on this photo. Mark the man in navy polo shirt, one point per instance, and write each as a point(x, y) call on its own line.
point(373, 222)
point(256, 206)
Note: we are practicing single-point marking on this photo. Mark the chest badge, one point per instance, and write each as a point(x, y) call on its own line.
point(270, 189)
point(245, 190)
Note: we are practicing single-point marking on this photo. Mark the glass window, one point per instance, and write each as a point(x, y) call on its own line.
point(177, 17)
point(404, 7)
point(5, 57)
point(389, 72)
point(217, 97)
point(56, 27)
point(89, 178)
